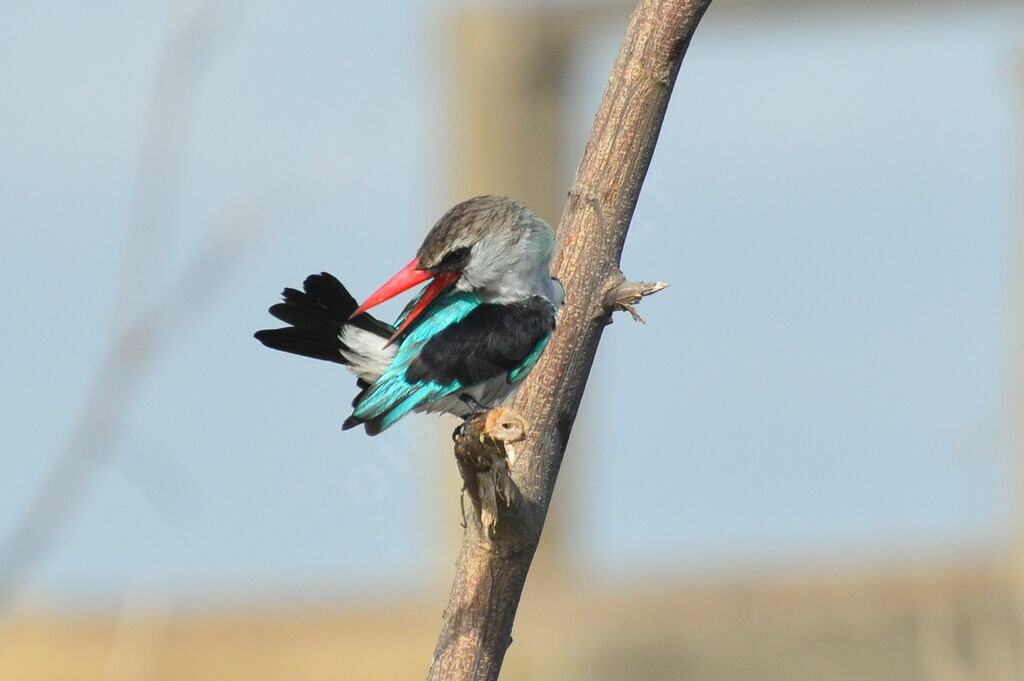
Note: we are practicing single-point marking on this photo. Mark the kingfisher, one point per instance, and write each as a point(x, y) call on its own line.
point(463, 344)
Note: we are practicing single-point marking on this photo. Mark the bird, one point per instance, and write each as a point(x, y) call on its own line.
point(463, 344)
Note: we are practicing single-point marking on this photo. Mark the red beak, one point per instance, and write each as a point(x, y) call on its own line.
point(403, 281)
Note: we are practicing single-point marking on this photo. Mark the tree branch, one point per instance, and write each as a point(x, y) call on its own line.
point(494, 559)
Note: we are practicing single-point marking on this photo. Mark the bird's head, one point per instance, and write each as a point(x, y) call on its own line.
point(491, 245)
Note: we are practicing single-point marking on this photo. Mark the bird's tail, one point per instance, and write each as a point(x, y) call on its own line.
point(321, 328)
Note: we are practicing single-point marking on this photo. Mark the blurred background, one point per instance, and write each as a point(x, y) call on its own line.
point(823, 482)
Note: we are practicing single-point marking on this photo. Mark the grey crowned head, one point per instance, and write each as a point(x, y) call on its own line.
point(502, 250)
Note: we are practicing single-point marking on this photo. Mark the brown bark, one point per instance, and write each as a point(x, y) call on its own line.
point(494, 561)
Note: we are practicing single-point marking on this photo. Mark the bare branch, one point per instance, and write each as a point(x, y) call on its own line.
point(492, 569)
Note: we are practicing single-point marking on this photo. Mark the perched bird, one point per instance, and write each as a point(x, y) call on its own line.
point(463, 344)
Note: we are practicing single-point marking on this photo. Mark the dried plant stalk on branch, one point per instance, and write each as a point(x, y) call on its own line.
point(510, 495)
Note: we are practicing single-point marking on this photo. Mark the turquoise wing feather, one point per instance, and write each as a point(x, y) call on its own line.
point(520, 373)
point(392, 397)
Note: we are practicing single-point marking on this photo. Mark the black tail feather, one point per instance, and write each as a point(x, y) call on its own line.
point(316, 315)
point(301, 342)
point(372, 426)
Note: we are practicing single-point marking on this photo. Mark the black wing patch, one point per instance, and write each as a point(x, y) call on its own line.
point(489, 341)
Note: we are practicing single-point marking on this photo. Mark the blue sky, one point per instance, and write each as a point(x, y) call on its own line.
point(825, 382)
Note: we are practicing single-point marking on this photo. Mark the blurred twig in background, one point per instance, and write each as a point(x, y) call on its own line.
point(146, 323)
point(188, 56)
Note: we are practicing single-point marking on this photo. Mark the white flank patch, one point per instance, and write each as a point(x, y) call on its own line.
point(366, 354)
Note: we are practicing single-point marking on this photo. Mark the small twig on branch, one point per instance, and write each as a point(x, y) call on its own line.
point(623, 295)
point(492, 567)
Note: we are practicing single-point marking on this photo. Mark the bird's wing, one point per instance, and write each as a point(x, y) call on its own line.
point(491, 340)
point(464, 343)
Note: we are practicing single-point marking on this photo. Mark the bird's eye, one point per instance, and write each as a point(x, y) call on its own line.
point(454, 260)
